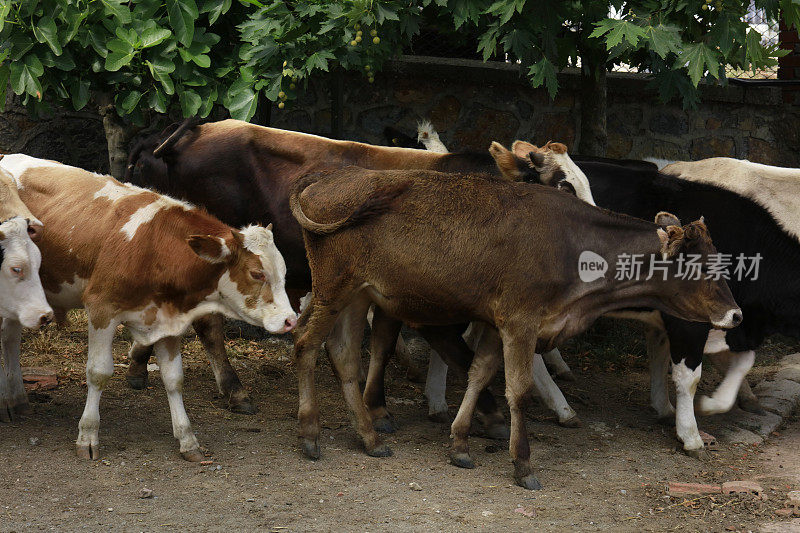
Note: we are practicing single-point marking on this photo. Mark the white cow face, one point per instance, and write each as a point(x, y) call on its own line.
point(252, 288)
point(21, 294)
point(554, 166)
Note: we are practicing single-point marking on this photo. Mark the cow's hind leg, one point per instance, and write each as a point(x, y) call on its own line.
point(383, 337)
point(435, 389)
point(552, 396)
point(519, 345)
point(721, 401)
point(211, 331)
point(659, 355)
point(138, 357)
point(556, 363)
point(17, 398)
point(168, 354)
point(99, 369)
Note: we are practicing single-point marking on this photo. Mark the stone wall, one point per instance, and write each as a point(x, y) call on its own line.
point(472, 104)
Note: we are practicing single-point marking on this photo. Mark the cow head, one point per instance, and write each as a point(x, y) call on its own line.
point(252, 286)
point(21, 294)
point(550, 163)
point(704, 300)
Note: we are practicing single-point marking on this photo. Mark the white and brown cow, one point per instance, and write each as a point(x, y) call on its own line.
point(131, 256)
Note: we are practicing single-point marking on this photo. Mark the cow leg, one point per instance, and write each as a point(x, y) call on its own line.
point(686, 380)
point(556, 362)
point(384, 334)
point(99, 369)
point(435, 388)
point(552, 396)
point(6, 404)
point(17, 398)
point(210, 330)
point(313, 326)
point(721, 401)
point(138, 357)
point(404, 358)
point(659, 354)
point(483, 368)
point(518, 350)
point(168, 355)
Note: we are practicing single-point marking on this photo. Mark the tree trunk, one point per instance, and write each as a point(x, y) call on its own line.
point(593, 138)
point(117, 137)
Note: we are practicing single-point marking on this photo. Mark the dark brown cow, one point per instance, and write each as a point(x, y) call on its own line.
point(242, 173)
point(437, 249)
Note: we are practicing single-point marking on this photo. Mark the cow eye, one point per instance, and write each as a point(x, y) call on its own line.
point(17, 271)
point(257, 275)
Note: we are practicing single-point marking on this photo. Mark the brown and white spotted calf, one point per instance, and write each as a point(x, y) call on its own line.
point(131, 256)
point(413, 243)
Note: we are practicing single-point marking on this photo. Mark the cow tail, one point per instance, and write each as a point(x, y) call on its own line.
point(377, 204)
point(165, 147)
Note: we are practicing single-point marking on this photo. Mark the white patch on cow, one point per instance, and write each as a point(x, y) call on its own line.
point(146, 213)
point(18, 164)
point(271, 316)
point(776, 189)
point(716, 342)
point(21, 295)
point(429, 137)
point(69, 294)
point(113, 191)
point(686, 381)
point(660, 163)
point(305, 300)
point(574, 176)
point(167, 323)
point(724, 397)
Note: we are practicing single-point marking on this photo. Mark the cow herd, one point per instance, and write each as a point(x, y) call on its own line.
point(491, 257)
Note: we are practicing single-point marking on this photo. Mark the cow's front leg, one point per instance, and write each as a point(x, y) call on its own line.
point(99, 369)
point(138, 357)
point(659, 355)
point(721, 401)
point(168, 355)
point(211, 331)
point(519, 345)
point(383, 338)
point(16, 397)
point(686, 380)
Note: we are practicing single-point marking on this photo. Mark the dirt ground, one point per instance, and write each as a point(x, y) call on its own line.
point(609, 474)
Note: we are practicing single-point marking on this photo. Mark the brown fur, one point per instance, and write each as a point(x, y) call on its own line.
point(455, 249)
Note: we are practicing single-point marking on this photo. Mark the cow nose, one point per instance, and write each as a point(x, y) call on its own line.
point(736, 319)
point(289, 324)
point(45, 319)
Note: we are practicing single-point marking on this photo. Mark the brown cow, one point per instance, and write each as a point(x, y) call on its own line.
point(451, 249)
point(242, 173)
point(131, 256)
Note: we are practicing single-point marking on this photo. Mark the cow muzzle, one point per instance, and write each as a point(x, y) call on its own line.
point(731, 319)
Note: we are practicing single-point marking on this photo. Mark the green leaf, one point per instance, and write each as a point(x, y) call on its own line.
point(97, 41)
point(160, 68)
point(699, 58)
point(5, 9)
point(624, 30)
point(182, 14)
point(120, 54)
point(544, 72)
point(157, 101)
point(663, 40)
point(209, 99)
point(25, 76)
point(190, 103)
point(45, 31)
point(64, 62)
point(20, 43)
point(130, 101)
point(384, 13)
point(79, 91)
point(153, 36)
point(319, 60)
point(215, 8)
point(242, 104)
point(4, 74)
point(117, 10)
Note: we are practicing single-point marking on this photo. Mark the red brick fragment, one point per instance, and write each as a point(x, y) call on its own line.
point(39, 378)
point(685, 489)
point(741, 487)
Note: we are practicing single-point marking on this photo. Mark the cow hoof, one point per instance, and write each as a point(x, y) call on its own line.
point(137, 382)
point(311, 449)
point(384, 424)
point(529, 482)
point(701, 454)
point(567, 376)
point(193, 456)
point(752, 405)
point(498, 432)
point(442, 417)
point(462, 460)
point(89, 451)
point(572, 422)
point(242, 407)
point(381, 450)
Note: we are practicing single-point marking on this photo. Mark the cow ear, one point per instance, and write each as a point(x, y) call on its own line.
point(665, 219)
point(238, 238)
point(507, 162)
point(269, 226)
point(210, 248)
point(671, 240)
